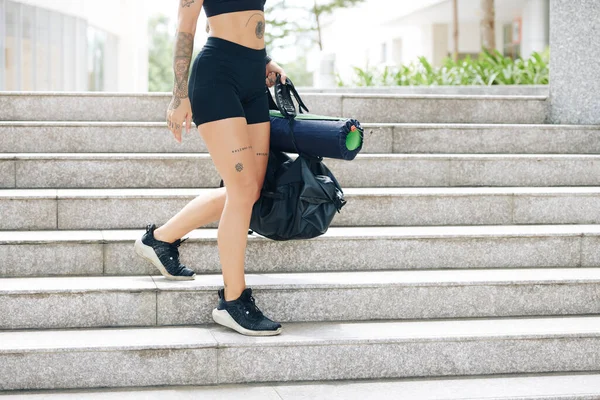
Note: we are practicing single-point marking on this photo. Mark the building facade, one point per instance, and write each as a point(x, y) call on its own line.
point(73, 45)
point(385, 33)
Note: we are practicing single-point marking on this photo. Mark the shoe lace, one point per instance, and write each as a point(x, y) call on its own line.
point(174, 247)
point(251, 306)
point(179, 242)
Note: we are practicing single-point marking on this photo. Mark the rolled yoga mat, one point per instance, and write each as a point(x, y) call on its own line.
point(317, 135)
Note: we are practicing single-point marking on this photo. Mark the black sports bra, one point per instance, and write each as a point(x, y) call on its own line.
point(216, 7)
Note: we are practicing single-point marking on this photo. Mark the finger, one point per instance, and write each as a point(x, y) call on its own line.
point(283, 77)
point(173, 128)
point(169, 119)
point(177, 132)
point(188, 123)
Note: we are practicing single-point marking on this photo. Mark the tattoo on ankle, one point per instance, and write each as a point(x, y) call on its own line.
point(262, 154)
point(239, 167)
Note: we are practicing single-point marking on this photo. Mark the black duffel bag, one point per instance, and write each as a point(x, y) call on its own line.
point(298, 200)
point(300, 196)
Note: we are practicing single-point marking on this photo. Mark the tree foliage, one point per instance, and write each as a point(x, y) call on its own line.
point(297, 70)
point(160, 59)
point(289, 22)
point(160, 54)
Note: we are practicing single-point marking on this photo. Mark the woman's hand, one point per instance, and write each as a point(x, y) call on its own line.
point(180, 110)
point(272, 69)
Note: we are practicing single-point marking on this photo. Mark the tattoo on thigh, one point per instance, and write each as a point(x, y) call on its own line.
point(239, 167)
point(241, 149)
point(262, 154)
point(187, 3)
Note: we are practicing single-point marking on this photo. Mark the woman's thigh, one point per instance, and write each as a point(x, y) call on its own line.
point(228, 142)
point(260, 135)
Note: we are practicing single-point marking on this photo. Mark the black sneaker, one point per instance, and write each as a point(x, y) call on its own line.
point(242, 315)
point(164, 256)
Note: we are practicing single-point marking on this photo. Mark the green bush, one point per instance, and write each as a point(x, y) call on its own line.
point(489, 68)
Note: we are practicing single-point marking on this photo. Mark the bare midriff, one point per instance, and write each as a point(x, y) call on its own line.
point(246, 28)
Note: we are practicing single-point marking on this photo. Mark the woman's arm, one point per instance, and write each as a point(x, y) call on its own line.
point(180, 109)
point(189, 10)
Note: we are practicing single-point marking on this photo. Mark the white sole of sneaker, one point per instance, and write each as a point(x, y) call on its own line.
point(222, 317)
point(148, 253)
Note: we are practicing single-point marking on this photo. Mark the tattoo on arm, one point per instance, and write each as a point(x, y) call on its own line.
point(184, 45)
point(187, 3)
point(239, 167)
point(262, 154)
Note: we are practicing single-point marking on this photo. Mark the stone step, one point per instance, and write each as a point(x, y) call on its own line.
point(304, 352)
point(74, 302)
point(418, 108)
point(85, 209)
point(153, 137)
point(511, 90)
point(493, 139)
point(130, 137)
point(573, 386)
point(130, 170)
point(64, 253)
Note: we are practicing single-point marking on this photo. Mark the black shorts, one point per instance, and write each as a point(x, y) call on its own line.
point(228, 80)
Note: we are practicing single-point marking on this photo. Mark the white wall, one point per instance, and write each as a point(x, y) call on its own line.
point(355, 35)
point(535, 26)
point(103, 14)
point(439, 43)
point(133, 47)
point(126, 19)
point(469, 37)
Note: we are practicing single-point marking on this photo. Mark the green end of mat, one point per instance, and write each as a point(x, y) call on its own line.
point(353, 139)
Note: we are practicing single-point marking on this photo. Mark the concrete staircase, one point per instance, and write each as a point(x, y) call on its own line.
point(469, 248)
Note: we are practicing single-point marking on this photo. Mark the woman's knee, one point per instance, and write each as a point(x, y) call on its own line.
point(243, 193)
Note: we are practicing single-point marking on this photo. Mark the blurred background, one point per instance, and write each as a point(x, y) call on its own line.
point(126, 45)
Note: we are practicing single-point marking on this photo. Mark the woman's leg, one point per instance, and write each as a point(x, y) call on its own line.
point(231, 150)
point(208, 207)
point(203, 210)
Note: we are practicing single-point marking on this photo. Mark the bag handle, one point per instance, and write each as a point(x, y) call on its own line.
point(284, 92)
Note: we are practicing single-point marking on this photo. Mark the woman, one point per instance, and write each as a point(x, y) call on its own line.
point(227, 99)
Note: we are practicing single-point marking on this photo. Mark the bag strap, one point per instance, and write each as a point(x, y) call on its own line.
point(291, 122)
point(272, 104)
point(301, 104)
